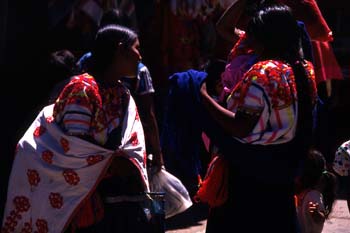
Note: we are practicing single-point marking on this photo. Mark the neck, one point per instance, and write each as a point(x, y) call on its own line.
point(109, 77)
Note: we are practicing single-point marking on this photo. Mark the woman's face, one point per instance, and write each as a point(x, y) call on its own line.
point(131, 59)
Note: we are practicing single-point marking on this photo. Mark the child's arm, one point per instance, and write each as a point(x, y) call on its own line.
point(317, 215)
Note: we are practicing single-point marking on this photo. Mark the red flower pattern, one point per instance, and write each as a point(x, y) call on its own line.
point(83, 90)
point(93, 159)
point(21, 203)
point(71, 177)
point(27, 228)
point(56, 200)
point(42, 225)
point(269, 75)
point(65, 144)
point(134, 139)
point(40, 130)
point(33, 177)
point(49, 119)
point(47, 156)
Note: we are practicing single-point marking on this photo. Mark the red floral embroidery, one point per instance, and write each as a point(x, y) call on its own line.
point(42, 225)
point(40, 130)
point(49, 119)
point(65, 144)
point(47, 156)
point(134, 139)
point(93, 159)
point(56, 200)
point(27, 228)
point(33, 177)
point(21, 203)
point(71, 177)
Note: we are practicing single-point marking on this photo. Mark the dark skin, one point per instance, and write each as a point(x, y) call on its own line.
point(145, 104)
point(237, 125)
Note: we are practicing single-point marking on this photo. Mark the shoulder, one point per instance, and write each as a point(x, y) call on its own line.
point(81, 85)
point(264, 72)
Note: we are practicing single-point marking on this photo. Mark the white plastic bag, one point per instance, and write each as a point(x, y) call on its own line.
point(176, 198)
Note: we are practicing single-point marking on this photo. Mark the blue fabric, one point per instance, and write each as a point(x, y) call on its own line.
point(84, 61)
point(306, 43)
point(181, 131)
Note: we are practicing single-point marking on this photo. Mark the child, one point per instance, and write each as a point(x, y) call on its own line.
point(341, 165)
point(316, 195)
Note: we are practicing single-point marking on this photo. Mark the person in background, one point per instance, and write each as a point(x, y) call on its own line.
point(142, 90)
point(81, 165)
point(316, 193)
point(266, 129)
point(61, 67)
point(341, 165)
point(240, 56)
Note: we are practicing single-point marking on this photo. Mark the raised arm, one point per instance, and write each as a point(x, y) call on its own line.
point(227, 23)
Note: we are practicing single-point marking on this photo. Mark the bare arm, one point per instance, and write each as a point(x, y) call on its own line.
point(150, 126)
point(237, 125)
point(226, 24)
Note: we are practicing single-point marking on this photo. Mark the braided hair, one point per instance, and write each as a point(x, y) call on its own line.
point(276, 30)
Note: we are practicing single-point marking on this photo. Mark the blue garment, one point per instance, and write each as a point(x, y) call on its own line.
point(306, 43)
point(181, 133)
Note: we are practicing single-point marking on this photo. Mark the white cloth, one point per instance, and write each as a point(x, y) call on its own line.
point(53, 173)
point(341, 163)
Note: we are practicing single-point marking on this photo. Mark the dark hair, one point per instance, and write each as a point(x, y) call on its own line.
point(275, 28)
point(61, 65)
point(114, 16)
point(329, 182)
point(314, 166)
point(214, 69)
point(106, 42)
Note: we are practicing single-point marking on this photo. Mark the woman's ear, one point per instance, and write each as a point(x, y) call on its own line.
point(121, 48)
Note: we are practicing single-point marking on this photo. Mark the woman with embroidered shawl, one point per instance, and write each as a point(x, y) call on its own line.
point(81, 166)
point(269, 120)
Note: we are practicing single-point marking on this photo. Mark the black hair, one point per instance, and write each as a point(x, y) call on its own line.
point(329, 182)
point(314, 166)
point(61, 65)
point(214, 69)
point(106, 43)
point(276, 30)
point(115, 16)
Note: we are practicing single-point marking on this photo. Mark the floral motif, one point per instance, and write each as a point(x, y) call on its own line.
point(47, 156)
point(134, 139)
point(49, 119)
point(65, 144)
point(71, 177)
point(40, 130)
point(56, 200)
point(33, 177)
point(21, 203)
point(42, 225)
point(27, 228)
point(93, 159)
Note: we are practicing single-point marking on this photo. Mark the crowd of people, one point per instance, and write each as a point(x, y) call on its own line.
point(255, 103)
